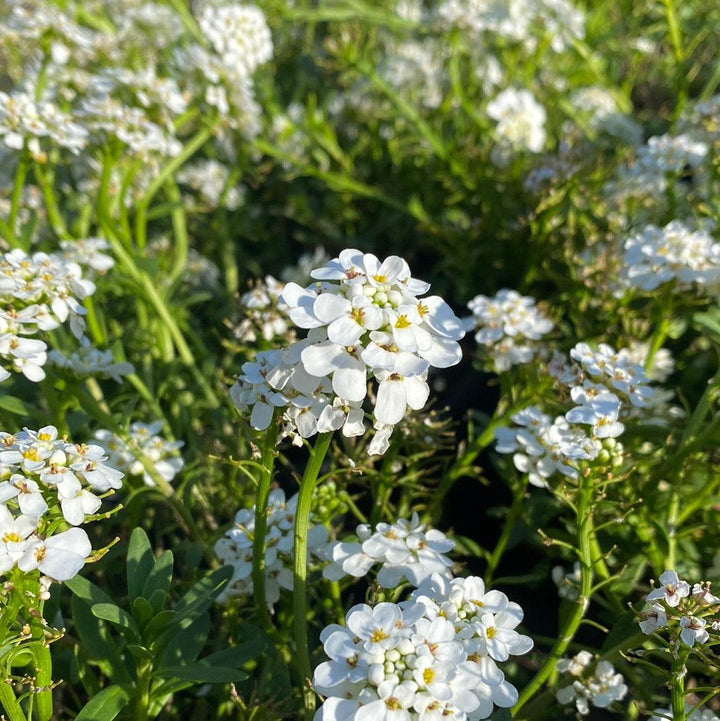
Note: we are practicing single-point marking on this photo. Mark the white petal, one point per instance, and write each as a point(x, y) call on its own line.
point(391, 402)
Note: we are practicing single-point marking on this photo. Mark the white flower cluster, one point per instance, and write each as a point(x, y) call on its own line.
point(46, 479)
point(88, 252)
point(424, 659)
point(568, 582)
point(240, 40)
point(520, 124)
point(689, 613)
point(209, 179)
point(38, 292)
point(365, 319)
point(404, 550)
point(25, 120)
point(91, 361)
point(606, 386)
point(143, 443)
point(601, 687)
point(508, 326)
point(517, 20)
point(265, 313)
point(542, 446)
point(599, 109)
point(416, 67)
point(655, 256)
point(235, 548)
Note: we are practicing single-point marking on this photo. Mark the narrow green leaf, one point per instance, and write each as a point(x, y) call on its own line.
point(115, 615)
point(93, 635)
point(88, 591)
point(237, 655)
point(158, 600)
point(201, 673)
point(184, 646)
point(204, 592)
point(140, 563)
point(158, 624)
point(142, 611)
point(105, 706)
point(160, 577)
point(14, 405)
point(9, 704)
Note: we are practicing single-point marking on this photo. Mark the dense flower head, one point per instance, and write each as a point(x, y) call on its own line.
point(38, 293)
point(681, 611)
point(676, 252)
point(404, 550)
point(542, 446)
point(143, 442)
point(235, 548)
point(45, 479)
point(520, 124)
point(365, 319)
point(693, 714)
point(508, 327)
point(431, 657)
point(600, 686)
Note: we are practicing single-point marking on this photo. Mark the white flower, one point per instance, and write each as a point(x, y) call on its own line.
point(692, 630)
point(60, 557)
point(654, 617)
point(672, 591)
point(601, 687)
point(521, 120)
point(600, 412)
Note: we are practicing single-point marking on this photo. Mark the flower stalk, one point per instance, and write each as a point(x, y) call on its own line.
point(584, 536)
point(302, 521)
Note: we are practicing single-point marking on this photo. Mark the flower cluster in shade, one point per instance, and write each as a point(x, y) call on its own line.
point(38, 293)
point(508, 327)
point(680, 252)
point(676, 609)
point(597, 684)
point(143, 443)
point(48, 483)
point(235, 548)
point(88, 360)
point(366, 320)
point(605, 386)
point(403, 550)
point(436, 655)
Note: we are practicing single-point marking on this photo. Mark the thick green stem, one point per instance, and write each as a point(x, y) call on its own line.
point(677, 684)
point(584, 538)
point(261, 501)
point(302, 522)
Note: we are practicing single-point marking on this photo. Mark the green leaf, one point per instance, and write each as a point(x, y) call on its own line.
point(160, 577)
point(184, 646)
point(95, 643)
point(11, 404)
point(142, 611)
point(201, 673)
point(115, 615)
point(88, 591)
point(204, 592)
point(237, 655)
point(140, 563)
point(158, 601)
point(105, 706)
point(158, 624)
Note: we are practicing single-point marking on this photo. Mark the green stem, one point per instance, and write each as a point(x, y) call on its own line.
point(302, 522)
point(9, 703)
point(499, 549)
point(55, 217)
point(18, 185)
point(179, 221)
point(677, 684)
point(261, 501)
point(678, 51)
point(195, 143)
point(584, 535)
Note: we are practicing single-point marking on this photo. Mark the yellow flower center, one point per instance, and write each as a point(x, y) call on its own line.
point(402, 322)
point(428, 676)
point(378, 635)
